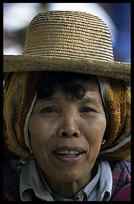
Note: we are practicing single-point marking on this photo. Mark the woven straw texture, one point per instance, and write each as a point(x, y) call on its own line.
point(69, 35)
point(68, 41)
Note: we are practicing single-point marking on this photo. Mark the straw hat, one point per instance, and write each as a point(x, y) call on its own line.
point(68, 41)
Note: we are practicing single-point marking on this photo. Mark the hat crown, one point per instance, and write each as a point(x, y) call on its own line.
point(68, 34)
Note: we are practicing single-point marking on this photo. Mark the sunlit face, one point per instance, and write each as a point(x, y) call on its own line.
point(66, 133)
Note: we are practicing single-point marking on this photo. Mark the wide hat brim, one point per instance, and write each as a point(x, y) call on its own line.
point(29, 63)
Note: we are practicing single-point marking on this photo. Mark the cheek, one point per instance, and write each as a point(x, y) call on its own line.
point(97, 126)
point(39, 136)
point(95, 130)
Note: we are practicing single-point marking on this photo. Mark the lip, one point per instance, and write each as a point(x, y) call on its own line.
point(73, 159)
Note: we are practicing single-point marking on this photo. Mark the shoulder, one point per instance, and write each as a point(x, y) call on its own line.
point(121, 174)
point(11, 170)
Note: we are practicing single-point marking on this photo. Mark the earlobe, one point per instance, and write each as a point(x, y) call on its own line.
point(103, 142)
point(105, 135)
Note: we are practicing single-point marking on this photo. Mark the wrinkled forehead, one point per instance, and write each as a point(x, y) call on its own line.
point(92, 84)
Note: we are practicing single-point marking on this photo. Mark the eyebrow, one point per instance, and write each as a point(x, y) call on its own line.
point(90, 100)
point(83, 100)
point(47, 99)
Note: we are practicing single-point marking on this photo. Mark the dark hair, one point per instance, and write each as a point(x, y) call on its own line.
point(74, 83)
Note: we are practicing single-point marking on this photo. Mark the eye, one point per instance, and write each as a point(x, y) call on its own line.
point(87, 109)
point(49, 109)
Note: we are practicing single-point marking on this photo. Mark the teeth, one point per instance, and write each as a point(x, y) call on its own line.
point(71, 152)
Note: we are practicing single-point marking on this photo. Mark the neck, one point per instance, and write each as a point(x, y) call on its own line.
point(66, 189)
point(69, 189)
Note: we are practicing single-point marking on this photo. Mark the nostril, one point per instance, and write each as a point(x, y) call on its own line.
point(64, 134)
point(75, 134)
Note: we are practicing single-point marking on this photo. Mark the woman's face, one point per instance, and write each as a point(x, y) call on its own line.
point(66, 134)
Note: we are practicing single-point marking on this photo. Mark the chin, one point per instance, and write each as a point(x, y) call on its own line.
point(69, 177)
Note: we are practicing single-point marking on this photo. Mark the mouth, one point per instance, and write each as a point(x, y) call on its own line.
point(67, 154)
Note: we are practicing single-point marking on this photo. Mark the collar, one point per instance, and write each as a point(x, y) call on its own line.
point(98, 189)
point(31, 182)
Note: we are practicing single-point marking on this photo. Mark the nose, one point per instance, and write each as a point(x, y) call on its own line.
point(69, 127)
